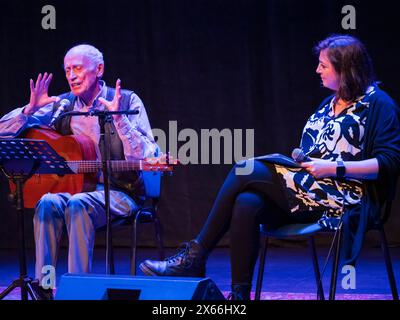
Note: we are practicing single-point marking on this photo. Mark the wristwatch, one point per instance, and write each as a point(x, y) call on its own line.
point(340, 169)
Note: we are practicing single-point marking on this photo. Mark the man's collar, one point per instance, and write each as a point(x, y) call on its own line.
point(102, 93)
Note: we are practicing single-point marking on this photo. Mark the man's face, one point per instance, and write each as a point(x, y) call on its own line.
point(82, 75)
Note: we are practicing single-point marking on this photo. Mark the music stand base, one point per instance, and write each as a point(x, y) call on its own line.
point(20, 159)
point(26, 288)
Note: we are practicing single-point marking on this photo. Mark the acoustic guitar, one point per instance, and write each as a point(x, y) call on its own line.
point(80, 155)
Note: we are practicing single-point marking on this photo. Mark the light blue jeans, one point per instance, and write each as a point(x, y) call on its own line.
point(81, 214)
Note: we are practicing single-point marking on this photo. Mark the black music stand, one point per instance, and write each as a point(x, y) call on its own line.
point(19, 160)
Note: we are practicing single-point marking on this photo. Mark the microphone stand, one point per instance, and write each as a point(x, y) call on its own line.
point(104, 117)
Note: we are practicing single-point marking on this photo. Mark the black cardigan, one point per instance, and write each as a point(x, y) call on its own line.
point(381, 141)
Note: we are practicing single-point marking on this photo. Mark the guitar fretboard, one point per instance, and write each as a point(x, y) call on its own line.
point(89, 166)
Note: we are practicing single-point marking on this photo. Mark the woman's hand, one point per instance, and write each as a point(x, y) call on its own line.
point(320, 168)
point(364, 169)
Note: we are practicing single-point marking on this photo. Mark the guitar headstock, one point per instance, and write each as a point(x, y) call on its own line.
point(165, 162)
point(165, 158)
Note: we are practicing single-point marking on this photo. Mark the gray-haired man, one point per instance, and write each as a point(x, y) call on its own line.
point(82, 213)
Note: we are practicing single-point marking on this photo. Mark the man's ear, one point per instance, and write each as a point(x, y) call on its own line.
point(100, 70)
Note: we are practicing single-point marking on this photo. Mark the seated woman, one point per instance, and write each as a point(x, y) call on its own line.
point(352, 139)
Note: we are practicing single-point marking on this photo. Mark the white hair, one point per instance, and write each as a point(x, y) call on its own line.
point(89, 51)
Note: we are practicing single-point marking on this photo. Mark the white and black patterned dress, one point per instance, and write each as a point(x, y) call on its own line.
point(332, 138)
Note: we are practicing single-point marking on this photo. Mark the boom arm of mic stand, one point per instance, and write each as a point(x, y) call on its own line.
point(96, 113)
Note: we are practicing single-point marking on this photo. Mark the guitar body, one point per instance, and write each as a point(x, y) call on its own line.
point(71, 148)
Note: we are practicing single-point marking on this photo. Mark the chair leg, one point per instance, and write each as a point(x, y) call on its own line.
point(112, 264)
point(388, 263)
point(320, 289)
point(261, 265)
point(332, 290)
point(133, 245)
point(158, 234)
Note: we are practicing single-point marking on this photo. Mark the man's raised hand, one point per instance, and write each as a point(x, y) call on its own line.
point(39, 93)
point(113, 105)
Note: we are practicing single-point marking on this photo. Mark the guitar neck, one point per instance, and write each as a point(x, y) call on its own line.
point(115, 165)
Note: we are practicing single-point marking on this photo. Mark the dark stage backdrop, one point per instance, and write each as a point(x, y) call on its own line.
point(242, 64)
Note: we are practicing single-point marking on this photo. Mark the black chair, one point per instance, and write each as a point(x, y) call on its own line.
point(378, 226)
point(290, 231)
point(309, 230)
point(146, 214)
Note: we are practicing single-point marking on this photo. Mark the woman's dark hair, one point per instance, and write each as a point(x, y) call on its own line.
point(352, 63)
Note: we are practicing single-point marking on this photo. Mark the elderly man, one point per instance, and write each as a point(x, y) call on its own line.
point(82, 213)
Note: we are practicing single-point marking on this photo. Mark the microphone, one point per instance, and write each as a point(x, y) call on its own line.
point(64, 103)
point(299, 156)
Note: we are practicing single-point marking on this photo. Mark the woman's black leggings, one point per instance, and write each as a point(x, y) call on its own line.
point(242, 204)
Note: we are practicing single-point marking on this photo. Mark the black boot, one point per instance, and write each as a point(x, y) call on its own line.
point(188, 262)
point(240, 292)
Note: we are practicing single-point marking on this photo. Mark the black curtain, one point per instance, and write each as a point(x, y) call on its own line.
point(238, 64)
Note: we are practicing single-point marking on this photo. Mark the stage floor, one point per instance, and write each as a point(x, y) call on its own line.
point(288, 273)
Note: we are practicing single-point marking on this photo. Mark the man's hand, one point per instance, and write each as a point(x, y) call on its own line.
point(115, 104)
point(39, 93)
point(320, 168)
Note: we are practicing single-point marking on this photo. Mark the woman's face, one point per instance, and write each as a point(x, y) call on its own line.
point(329, 77)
